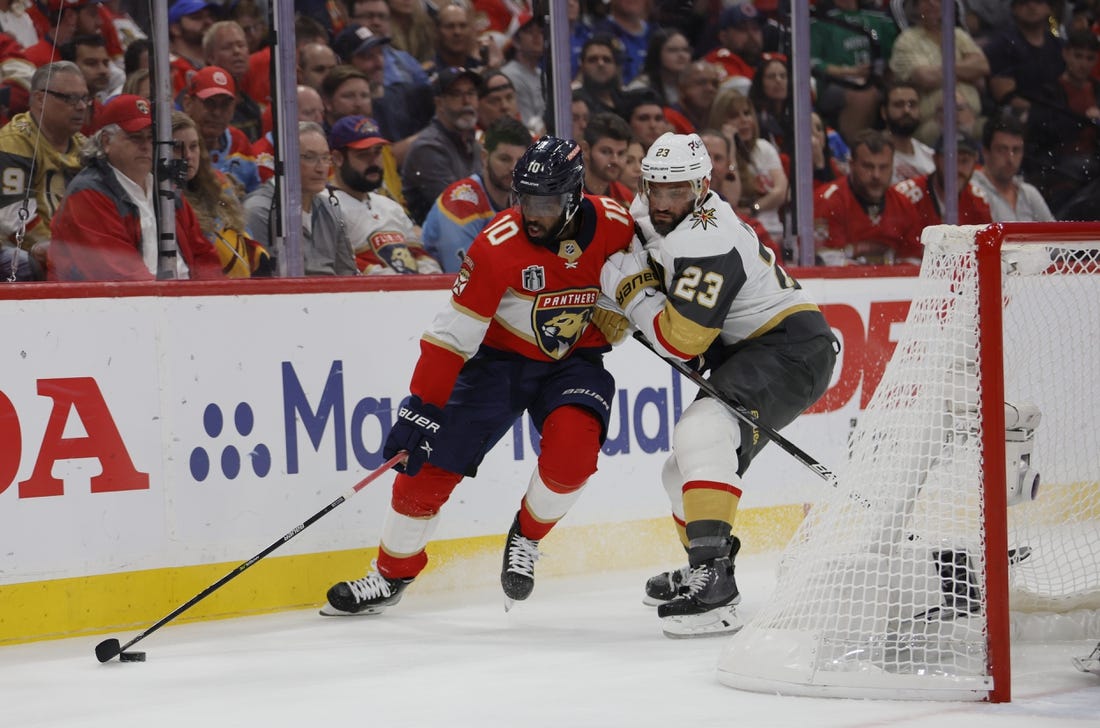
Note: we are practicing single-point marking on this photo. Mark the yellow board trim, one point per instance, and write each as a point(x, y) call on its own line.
point(130, 602)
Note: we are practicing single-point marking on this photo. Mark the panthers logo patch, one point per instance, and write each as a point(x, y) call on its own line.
point(559, 319)
point(393, 249)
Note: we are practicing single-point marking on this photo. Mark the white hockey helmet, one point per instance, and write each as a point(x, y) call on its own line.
point(677, 158)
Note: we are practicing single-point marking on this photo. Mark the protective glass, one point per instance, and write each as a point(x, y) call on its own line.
point(543, 205)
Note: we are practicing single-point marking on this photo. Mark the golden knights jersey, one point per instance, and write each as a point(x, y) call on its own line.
point(719, 281)
point(521, 298)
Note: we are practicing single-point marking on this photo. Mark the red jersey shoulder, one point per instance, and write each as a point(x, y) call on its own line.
point(613, 226)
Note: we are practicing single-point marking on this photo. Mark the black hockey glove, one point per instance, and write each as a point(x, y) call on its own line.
point(709, 359)
point(417, 426)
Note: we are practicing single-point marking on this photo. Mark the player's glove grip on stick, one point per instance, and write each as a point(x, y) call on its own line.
point(627, 279)
point(417, 426)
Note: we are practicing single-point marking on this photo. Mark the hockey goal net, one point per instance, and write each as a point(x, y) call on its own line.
point(900, 581)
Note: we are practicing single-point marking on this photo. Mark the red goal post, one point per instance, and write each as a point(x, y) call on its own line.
point(914, 575)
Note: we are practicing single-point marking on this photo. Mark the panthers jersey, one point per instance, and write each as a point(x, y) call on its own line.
point(973, 208)
point(520, 298)
point(720, 282)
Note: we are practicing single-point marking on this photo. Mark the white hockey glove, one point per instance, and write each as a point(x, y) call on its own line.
point(628, 280)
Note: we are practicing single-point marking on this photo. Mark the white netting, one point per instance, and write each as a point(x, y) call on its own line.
point(882, 589)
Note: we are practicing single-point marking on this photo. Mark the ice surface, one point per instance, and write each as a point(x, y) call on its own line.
point(583, 651)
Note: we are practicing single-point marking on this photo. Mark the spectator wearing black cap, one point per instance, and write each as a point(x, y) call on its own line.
point(741, 45)
point(496, 98)
point(524, 69)
point(926, 192)
point(401, 104)
point(398, 66)
point(468, 204)
point(447, 149)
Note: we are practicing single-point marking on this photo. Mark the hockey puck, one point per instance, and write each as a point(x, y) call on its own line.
point(131, 657)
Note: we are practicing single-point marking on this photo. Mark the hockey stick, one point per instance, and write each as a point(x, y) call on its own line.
point(741, 411)
point(110, 648)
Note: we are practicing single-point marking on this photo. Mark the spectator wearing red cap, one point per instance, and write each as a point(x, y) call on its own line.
point(225, 45)
point(39, 154)
point(106, 229)
point(381, 234)
point(210, 99)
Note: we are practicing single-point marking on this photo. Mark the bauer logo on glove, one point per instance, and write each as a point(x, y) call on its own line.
point(630, 287)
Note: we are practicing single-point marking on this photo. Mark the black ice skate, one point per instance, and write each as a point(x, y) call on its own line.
point(517, 575)
point(707, 605)
point(669, 584)
point(370, 595)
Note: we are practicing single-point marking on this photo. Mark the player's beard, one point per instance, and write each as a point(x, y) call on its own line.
point(664, 228)
point(368, 180)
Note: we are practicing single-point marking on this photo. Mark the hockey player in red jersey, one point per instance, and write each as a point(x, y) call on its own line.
point(699, 282)
point(515, 338)
point(926, 192)
point(861, 219)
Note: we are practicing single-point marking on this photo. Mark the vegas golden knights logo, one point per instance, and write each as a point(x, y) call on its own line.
point(559, 319)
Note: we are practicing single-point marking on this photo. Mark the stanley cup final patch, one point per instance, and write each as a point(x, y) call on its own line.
point(534, 278)
point(559, 319)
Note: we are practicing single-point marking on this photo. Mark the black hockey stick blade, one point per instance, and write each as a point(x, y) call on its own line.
point(108, 649)
point(741, 412)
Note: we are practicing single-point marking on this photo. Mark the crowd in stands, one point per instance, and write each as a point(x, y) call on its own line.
point(413, 113)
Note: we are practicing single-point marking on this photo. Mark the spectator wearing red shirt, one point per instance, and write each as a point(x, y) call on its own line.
point(188, 21)
point(926, 192)
point(106, 227)
point(860, 219)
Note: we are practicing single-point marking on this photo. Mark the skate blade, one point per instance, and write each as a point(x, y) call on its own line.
point(652, 601)
point(508, 604)
point(1084, 664)
point(330, 611)
point(714, 623)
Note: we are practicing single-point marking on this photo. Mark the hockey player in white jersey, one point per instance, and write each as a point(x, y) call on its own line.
point(698, 283)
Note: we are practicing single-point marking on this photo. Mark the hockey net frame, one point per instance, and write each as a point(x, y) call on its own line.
point(900, 582)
